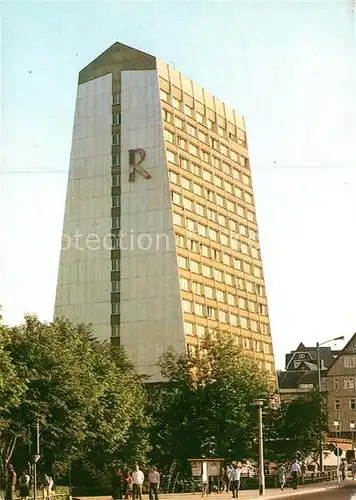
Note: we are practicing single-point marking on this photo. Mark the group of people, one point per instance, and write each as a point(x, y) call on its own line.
point(130, 484)
point(232, 479)
point(24, 484)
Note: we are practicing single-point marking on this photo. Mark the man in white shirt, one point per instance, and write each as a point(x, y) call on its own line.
point(153, 479)
point(235, 478)
point(295, 473)
point(137, 479)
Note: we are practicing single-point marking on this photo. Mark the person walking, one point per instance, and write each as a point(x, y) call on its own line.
point(353, 470)
point(129, 485)
point(343, 467)
point(24, 483)
point(235, 481)
point(282, 476)
point(11, 483)
point(116, 484)
point(137, 479)
point(153, 479)
point(295, 472)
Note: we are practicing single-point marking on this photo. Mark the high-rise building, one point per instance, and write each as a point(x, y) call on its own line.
point(160, 238)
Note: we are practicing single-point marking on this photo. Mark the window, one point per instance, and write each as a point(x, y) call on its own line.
point(115, 330)
point(229, 279)
point(220, 296)
point(255, 253)
point(214, 144)
point(250, 216)
point(224, 240)
point(164, 95)
point(180, 240)
point(215, 161)
point(182, 143)
point(171, 157)
point(199, 117)
point(193, 149)
point(199, 310)
point(187, 306)
point(185, 183)
point(217, 275)
point(183, 163)
point(202, 136)
point(268, 366)
point(116, 139)
point(207, 176)
point(349, 383)
point(240, 211)
point(252, 234)
point(204, 156)
point(233, 319)
point(197, 189)
point(116, 98)
point(196, 170)
point(209, 195)
point(242, 303)
point(116, 201)
point(228, 187)
point(247, 343)
point(210, 124)
point(234, 156)
point(262, 309)
point(256, 345)
point(209, 292)
point(264, 328)
point(238, 192)
point(188, 110)
point(226, 168)
point(226, 259)
point(167, 116)
point(238, 264)
point(231, 299)
point(116, 119)
point(115, 223)
point(184, 284)
point(115, 180)
point(188, 329)
point(193, 246)
point(211, 312)
point(191, 130)
point(213, 235)
point(218, 181)
point(211, 214)
point(190, 225)
point(254, 325)
point(197, 288)
point(246, 180)
point(244, 248)
point(230, 206)
point(222, 316)
point(337, 404)
point(350, 361)
point(177, 219)
point(176, 198)
point(115, 308)
point(115, 160)
point(168, 135)
point(182, 262)
point(215, 254)
point(188, 204)
point(252, 306)
point(223, 149)
point(219, 200)
point(115, 265)
point(178, 122)
point(115, 286)
point(202, 230)
point(200, 331)
point(204, 250)
point(176, 102)
point(206, 271)
point(194, 266)
point(199, 209)
point(244, 322)
point(248, 198)
point(352, 404)
point(257, 271)
point(173, 177)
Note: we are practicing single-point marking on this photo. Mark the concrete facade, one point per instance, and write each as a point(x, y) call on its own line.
point(190, 208)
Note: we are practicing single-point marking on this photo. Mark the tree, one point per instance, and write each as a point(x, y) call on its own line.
point(294, 428)
point(86, 395)
point(205, 408)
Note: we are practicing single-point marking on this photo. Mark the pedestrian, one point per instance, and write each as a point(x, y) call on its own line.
point(282, 476)
point(137, 479)
point(343, 468)
point(228, 479)
point(129, 485)
point(24, 483)
point(153, 479)
point(11, 483)
point(47, 486)
point(235, 481)
point(116, 484)
point(353, 470)
point(295, 473)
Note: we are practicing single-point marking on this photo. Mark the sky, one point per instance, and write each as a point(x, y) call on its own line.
point(288, 67)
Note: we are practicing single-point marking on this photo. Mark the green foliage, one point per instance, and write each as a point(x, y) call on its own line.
point(206, 407)
point(294, 428)
point(86, 395)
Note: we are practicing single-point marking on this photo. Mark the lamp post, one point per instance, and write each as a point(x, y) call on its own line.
point(318, 345)
point(337, 425)
point(261, 476)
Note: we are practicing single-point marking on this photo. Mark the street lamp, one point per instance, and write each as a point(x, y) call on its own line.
point(336, 425)
point(261, 476)
point(318, 345)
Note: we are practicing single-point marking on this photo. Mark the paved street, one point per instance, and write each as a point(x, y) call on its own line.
point(342, 494)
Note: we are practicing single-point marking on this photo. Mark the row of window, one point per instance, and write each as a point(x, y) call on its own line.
point(196, 169)
point(212, 293)
point(193, 329)
point(223, 316)
point(352, 404)
point(350, 361)
point(208, 176)
point(223, 128)
point(198, 268)
point(197, 247)
point(349, 383)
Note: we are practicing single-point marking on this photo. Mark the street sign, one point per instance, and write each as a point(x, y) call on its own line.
point(338, 452)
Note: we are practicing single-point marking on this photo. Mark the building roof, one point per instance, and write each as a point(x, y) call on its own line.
point(293, 379)
point(350, 348)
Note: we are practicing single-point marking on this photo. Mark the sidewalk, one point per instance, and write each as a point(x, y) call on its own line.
point(244, 494)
